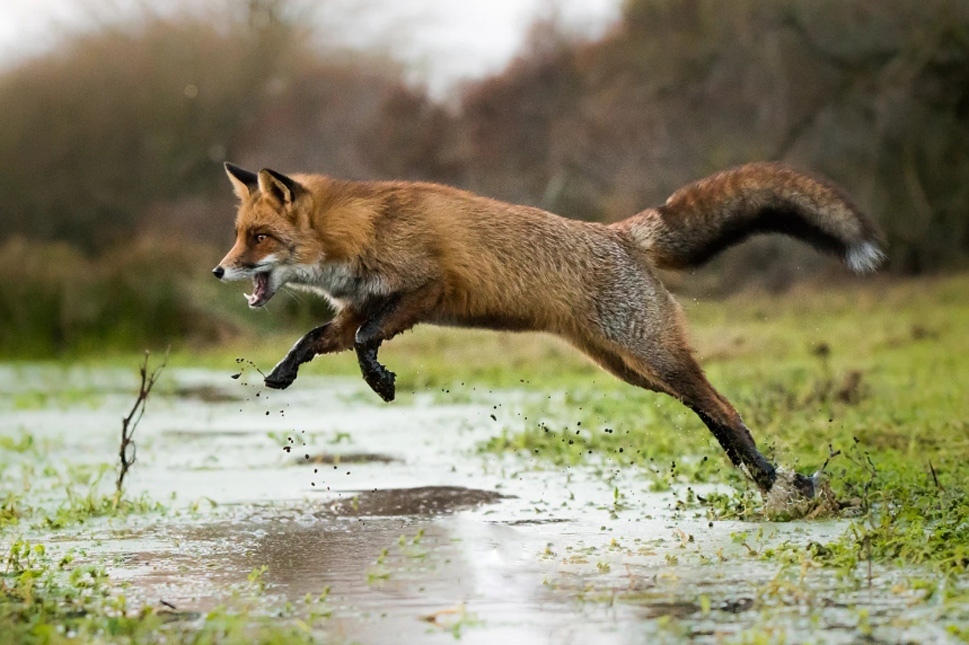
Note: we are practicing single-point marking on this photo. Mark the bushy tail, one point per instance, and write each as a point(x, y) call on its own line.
point(702, 219)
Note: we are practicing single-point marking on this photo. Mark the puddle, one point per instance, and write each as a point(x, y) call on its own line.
point(207, 393)
point(345, 458)
point(422, 501)
point(417, 536)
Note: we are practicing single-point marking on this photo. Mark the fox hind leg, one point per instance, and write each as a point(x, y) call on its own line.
point(684, 380)
point(669, 367)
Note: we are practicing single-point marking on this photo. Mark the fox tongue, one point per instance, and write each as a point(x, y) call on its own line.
point(260, 290)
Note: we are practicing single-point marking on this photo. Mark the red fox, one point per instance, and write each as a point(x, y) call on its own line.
point(390, 255)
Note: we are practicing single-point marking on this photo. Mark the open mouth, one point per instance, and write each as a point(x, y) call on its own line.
point(261, 291)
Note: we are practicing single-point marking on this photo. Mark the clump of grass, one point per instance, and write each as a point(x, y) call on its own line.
point(11, 509)
point(84, 499)
point(57, 496)
point(55, 601)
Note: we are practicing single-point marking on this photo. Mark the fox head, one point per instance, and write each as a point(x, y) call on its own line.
point(272, 246)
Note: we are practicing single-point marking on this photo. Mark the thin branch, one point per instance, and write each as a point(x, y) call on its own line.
point(935, 478)
point(127, 450)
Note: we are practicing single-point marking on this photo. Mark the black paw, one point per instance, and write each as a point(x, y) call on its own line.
point(805, 486)
point(282, 376)
point(382, 382)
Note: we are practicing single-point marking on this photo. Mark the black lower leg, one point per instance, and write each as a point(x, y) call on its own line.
point(805, 485)
point(367, 341)
point(303, 351)
point(378, 377)
point(742, 451)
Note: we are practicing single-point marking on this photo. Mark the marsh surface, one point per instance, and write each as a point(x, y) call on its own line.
point(417, 533)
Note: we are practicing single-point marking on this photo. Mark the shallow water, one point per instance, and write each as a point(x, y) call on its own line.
point(417, 535)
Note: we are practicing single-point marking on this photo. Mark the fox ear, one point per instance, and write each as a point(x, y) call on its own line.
point(243, 181)
point(283, 188)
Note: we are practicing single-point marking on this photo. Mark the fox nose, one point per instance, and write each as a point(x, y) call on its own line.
point(218, 272)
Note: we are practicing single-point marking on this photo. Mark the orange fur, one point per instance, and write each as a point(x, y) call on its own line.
point(390, 255)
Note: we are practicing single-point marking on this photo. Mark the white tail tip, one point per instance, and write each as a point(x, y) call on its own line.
point(864, 257)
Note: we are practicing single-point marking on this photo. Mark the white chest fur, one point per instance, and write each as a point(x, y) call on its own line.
point(340, 283)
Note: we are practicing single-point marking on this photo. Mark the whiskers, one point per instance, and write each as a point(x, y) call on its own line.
point(292, 293)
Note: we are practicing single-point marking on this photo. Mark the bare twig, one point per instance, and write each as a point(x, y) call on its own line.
point(868, 549)
point(832, 453)
point(935, 478)
point(127, 450)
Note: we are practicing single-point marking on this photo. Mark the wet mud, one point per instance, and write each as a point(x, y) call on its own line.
point(344, 458)
point(404, 502)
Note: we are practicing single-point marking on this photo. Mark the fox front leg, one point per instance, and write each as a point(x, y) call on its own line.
point(334, 336)
point(378, 377)
point(394, 315)
point(303, 351)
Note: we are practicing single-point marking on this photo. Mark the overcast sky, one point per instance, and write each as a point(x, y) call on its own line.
point(446, 40)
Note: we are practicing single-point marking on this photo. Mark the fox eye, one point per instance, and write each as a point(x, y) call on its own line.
point(262, 237)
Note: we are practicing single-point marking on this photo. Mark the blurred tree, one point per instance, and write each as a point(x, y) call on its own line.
point(115, 120)
point(514, 123)
point(319, 116)
point(412, 137)
point(872, 93)
point(897, 125)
